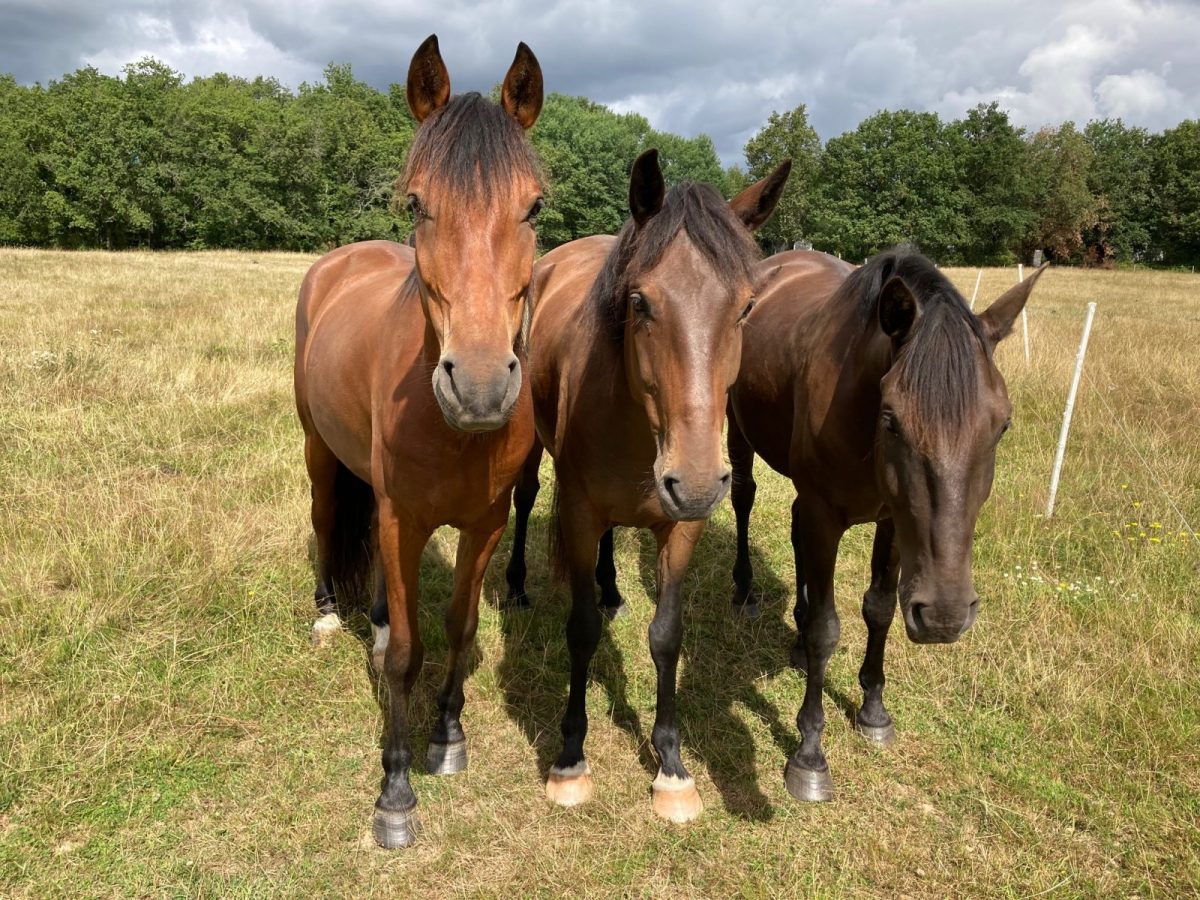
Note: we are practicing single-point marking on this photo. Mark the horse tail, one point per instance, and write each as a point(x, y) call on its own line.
point(350, 547)
point(558, 546)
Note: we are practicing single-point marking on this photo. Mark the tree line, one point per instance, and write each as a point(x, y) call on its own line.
point(151, 160)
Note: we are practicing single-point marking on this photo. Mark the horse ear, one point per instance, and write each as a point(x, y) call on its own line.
point(521, 95)
point(428, 80)
point(898, 308)
point(997, 320)
point(755, 204)
point(646, 187)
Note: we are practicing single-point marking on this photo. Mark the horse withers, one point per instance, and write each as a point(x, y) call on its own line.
point(635, 342)
point(875, 391)
point(410, 391)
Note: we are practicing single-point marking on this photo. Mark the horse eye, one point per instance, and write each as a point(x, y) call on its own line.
point(746, 311)
point(639, 304)
point(415, 207)
point(889, 423)
point(538, 205)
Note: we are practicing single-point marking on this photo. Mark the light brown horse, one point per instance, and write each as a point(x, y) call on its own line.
point(875, 391)
point(635, 342)
point(409, 388)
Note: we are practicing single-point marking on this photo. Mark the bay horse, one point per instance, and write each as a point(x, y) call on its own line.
point(410, 391)
point(875, 391)
point(634, 344)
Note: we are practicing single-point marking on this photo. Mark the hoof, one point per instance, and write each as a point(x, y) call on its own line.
point(570, 787)
point(614, 612)
point(799, 658)
point(806, 785)
point(879, 735)
point(747, 612)
point(446, 759)
point(379, 650)
point(395, 829)
point(516, 602)
point(676, 799)
point(325, 628)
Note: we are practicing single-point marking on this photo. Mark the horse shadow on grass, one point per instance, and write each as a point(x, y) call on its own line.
point(723, 661)
point(436, 585)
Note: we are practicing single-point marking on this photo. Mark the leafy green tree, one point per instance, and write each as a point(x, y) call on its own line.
point(687, 159)
point(1119, 178)
point(994, 167)
point(1176, 179)
point(1060, 159)
point(894, 179)
point(22, 217)
point(787, 135)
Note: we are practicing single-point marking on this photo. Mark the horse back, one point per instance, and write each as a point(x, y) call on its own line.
point(797, 392)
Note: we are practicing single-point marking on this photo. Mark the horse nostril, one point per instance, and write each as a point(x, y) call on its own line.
point(512, 366)
point(725, 477)
point(669, 484)
point(918, 616)
point(449, 367)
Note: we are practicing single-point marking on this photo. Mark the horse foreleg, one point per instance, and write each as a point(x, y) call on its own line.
point(675, 794)
point(570, 780)
point(447, 745)
point(612, 604)
point(879, 606)
point(400, 545)
point(523, 499)
point(816, 542)
point(742, 492)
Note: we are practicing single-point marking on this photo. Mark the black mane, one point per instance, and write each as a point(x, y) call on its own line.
point(714, 229)
point(936, 363)
point(470, 145)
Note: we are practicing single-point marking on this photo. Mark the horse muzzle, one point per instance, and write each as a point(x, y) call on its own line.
point(475, 397)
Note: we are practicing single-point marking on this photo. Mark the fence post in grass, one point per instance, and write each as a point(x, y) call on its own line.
point(1024, 314)
point(1066, 424)
point(975, 293)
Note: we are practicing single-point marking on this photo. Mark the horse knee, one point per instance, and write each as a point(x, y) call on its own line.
point(878, 608)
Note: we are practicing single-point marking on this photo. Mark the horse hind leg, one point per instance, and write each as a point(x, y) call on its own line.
point(524, 496)
point(612, 604)
point(741, 458)
point(322, 468)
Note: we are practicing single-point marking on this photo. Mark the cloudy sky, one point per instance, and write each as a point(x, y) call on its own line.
point(713, 66)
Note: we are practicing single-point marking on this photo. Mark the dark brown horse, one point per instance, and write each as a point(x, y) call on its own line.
point(875, 391)
point(634, 344)
point(409, 388)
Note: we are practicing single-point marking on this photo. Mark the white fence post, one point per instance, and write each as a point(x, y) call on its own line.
point(975, 293)
point(1066, 424)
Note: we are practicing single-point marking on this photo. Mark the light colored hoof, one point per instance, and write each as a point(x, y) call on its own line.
point(325, 628)
point(570, 787)
point(806, 785)
point(379, 648)
point(879, 735)
point(395, 829)
point(676, 799)
point(446, 759)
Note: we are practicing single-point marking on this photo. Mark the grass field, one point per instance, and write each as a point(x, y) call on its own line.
point(165, 728)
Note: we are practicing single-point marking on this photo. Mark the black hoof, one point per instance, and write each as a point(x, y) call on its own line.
point(879, 735)
point(516, 602)
point(807, 785)
point(394, 829)
point(747, 612)
point(614, 612)
point(799, 658)
point(446, 759)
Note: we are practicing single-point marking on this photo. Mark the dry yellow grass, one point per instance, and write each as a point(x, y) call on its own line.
point(166, 729)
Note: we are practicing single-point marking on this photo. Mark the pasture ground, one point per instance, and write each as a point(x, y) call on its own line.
point(165, 728)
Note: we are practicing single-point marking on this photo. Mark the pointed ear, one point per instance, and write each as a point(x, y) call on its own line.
point(428, 80)
point(521, 95)
point(898, 308)
point(646, 187)
point(755, 204)
point(997, 320)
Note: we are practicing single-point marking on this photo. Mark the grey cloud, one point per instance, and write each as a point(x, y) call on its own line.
point(699, 66)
